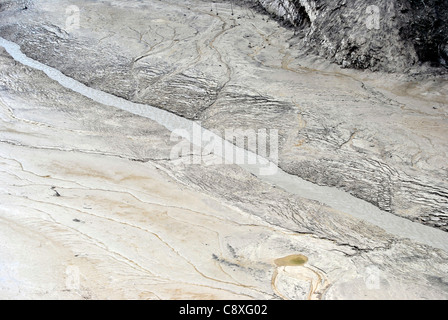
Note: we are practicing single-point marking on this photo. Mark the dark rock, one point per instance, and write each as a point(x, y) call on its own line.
point(388, 36)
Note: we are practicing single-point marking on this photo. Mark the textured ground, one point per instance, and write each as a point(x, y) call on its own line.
point(90, 188)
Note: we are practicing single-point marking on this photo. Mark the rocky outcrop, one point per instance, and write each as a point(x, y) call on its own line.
point(298, 13)
point(387, 35)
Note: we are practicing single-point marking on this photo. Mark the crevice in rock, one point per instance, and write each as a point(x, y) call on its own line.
point(303, 19)
point(291, 12)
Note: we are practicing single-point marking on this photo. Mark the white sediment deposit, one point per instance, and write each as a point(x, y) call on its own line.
point(336, 199)
point(93, 205)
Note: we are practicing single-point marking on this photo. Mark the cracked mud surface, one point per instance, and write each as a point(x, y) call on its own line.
point(90, 186)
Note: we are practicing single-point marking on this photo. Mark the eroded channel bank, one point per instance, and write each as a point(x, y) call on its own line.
point(333, 197)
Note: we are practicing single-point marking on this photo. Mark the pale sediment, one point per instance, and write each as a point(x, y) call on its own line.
point(375, 136)
point(94, 187)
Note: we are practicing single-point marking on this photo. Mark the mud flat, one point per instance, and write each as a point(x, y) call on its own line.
point(94, 206)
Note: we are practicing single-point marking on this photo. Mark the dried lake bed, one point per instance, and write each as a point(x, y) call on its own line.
point(93, 206)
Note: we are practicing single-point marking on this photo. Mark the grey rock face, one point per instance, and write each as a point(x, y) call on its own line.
point(386, 35)
point(14, 5)
point(296, 12)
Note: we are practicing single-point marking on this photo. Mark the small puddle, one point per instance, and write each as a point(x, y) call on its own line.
point(295, 260)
